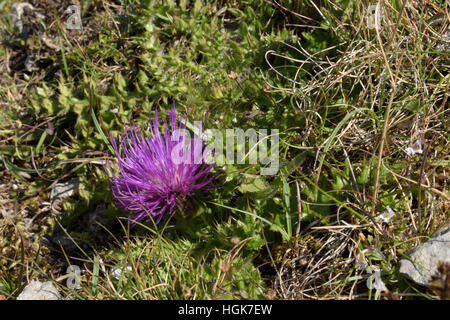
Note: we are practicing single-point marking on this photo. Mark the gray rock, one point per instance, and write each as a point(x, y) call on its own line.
point(37, 290)
point(65, 189)
point(425, 258)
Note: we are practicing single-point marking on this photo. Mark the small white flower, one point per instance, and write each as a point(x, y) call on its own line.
point(117, 272)
point(374, 281)
point(387, 215)
point(361, 261)
point(416, 148)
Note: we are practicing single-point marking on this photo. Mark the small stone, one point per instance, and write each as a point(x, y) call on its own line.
point(65, 189)
point(37, 290)
point(426, 257)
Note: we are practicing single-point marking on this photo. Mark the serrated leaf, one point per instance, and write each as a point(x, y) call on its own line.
point(257, 185)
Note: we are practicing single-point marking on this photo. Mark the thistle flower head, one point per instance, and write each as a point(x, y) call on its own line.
point(157, 173)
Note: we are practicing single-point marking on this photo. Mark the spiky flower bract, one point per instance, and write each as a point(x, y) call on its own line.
point(160, 171)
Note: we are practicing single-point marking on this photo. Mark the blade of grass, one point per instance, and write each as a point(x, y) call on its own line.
point(97, 124)
point(41, 142)
point(95, 273)
point(287, 201)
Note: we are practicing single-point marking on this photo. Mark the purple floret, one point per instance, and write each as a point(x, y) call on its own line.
point(157, 173)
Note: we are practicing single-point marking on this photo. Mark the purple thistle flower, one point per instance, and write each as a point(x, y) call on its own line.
point(157, 173)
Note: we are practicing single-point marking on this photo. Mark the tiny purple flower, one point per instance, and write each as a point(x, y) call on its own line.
point(416, 148)
point(387, 215)
point(102, 86)
point(50, 128)
point(157, 173)
point(361, 261)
